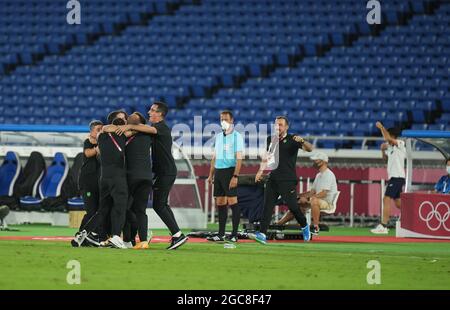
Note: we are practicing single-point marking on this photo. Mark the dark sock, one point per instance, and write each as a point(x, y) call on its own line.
point(236, 218)
point(127, 232)
point(223, 214)
point(384, 225)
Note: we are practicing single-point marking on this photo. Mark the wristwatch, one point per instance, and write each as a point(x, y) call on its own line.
point(235, 175)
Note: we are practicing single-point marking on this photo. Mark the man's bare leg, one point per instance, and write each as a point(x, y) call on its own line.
point(288, 216)
point(386, 210)
point(315, 211)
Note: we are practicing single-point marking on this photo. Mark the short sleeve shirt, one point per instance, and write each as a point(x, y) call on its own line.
point(163, 161)
point(396, 160)
point(326, 180)
point(225, 149)
point(287, 149)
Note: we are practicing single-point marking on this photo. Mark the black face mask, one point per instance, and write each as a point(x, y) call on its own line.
point(316, 165)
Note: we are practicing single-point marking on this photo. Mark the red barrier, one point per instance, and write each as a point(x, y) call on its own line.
point(367, 197)
point(425, 216)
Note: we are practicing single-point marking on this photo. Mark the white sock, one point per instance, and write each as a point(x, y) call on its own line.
point(178, 234)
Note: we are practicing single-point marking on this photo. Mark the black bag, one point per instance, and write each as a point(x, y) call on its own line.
point(10, 201)
point(251, 201)
point(54, 204)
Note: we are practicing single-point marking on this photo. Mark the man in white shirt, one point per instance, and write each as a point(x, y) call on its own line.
point(394, 152)
point(321, 195)
point(323, 190)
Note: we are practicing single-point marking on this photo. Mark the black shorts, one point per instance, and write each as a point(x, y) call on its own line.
point(222, 178)
point(394, 188)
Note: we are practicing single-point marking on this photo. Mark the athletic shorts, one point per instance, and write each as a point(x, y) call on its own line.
point(394, 188)
point(222, 178)
point(324, 205)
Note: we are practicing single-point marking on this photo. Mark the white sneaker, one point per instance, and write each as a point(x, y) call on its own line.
point(380, 230)
point(117, 242)
point(128, 245)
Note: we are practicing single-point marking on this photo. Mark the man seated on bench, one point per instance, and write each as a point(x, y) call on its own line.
point(443, 185)
point(321, 195)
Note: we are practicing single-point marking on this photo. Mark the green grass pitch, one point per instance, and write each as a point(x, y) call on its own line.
point(200, 266)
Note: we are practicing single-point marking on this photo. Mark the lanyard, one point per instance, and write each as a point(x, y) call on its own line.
point(115, 142)
point(224, 143)
point(129, 140)
point(274, 142)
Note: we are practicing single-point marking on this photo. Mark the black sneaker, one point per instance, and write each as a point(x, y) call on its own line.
point(92, 240)
point(217, 239)
point(232, 239)
point(177, 242)
point(79, 238)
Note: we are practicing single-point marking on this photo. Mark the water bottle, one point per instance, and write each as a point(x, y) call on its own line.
point(229, 246)
point(279, 235)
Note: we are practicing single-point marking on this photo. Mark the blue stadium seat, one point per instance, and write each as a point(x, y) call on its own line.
point(51, 184)
point(227, 54)
point(9, 172)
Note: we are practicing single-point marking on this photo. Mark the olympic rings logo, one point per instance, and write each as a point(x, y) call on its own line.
point(439, 214)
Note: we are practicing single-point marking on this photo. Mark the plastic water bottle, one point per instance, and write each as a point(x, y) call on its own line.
point(279, 235)
point(229, 246)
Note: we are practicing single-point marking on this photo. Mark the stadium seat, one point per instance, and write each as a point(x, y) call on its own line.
point(71, 187)
point(9, 173)
point(205, 59)
point(55, 176)
point(51, 184)
point(75, 204)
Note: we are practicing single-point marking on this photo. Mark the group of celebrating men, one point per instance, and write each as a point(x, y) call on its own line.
point(124, 161)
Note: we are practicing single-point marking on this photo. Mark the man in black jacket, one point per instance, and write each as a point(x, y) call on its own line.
point(139, 177)
point(89, 186)
point(164, 168)
point(113, 179)
point(281, 159)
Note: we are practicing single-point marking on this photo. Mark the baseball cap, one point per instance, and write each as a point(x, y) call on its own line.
point(319, 156)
